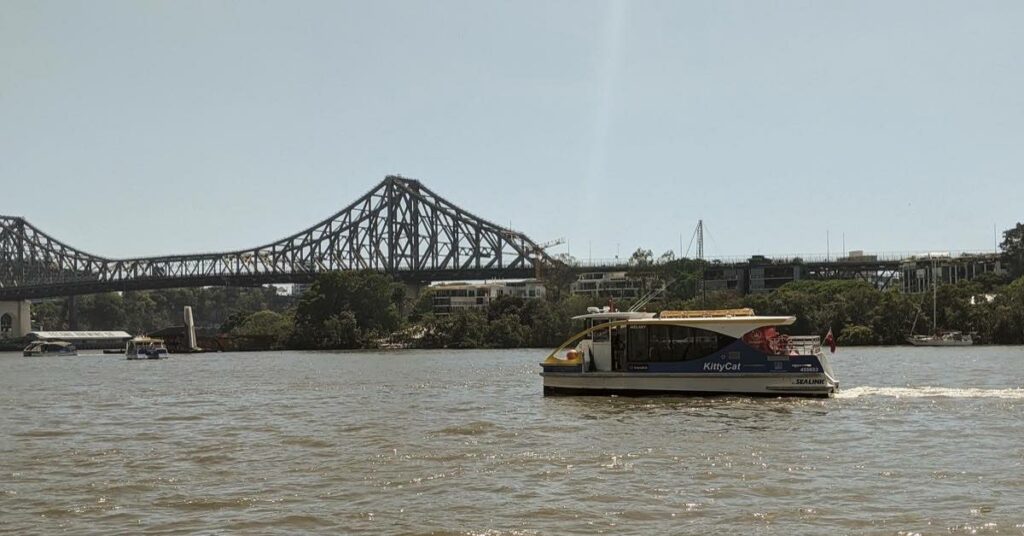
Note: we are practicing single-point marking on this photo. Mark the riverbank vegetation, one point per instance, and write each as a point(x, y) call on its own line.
point(857, 313)
point(368, 309)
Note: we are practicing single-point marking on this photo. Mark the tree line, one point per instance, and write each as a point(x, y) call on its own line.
point(368, 309)
point(365, 309)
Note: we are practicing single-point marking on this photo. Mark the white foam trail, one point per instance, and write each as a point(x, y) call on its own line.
point(928, 392)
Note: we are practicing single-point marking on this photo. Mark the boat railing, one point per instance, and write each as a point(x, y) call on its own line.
point(796, 345)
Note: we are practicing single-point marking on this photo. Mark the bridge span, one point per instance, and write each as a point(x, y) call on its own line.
point(402, 228)
point(399, 227)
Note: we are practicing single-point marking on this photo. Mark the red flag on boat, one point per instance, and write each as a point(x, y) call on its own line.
point(830, 341)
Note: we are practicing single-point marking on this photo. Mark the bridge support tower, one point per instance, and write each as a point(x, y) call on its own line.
point(15, 318)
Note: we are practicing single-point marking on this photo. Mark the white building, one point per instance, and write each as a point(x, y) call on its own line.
point(607, 285)
point(451, 296)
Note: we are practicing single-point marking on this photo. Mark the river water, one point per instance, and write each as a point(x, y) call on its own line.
point(462, 442)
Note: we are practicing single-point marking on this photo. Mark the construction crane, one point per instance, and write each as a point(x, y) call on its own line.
point(551, 243)
point(539, 253)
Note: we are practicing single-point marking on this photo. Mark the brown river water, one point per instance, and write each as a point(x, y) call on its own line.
point(926, 441)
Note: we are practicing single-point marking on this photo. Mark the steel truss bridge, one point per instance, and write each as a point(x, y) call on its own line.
point(400, 227)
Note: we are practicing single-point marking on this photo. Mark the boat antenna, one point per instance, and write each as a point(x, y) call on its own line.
point(646, 298)
point(935, 319)
point(700, 259)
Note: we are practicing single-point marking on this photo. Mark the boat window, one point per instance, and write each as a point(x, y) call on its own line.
point(600, 335)
point(673, 343)
point(636, 345)
point(6, 324)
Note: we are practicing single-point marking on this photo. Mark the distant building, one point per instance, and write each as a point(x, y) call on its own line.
point(448, 297)
point(857, 255)
point(918, 273)
point(616, 285)
point(755, 276)
point(298, 289)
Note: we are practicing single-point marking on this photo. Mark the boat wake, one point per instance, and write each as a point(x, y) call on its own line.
point(930, 392)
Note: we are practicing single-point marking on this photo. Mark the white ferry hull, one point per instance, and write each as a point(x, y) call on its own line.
point(625, 383)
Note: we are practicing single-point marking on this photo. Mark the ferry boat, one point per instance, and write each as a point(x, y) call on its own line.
point(145, 348)
point(729, 351)
point(47, 348)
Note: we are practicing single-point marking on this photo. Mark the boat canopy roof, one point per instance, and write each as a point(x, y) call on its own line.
point(708, 313)
point(733, 326)
point(78, 335)
point(42, 343)
point(146, 340)
point(732, 322)
point(614, 315)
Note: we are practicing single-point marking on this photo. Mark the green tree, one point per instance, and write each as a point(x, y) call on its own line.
point(892, 317)
point(1009, 318)
point(262, 323)
point(341, 330)
point(49, 315)
point(423, 305)
point(101, 311)
point(1013, 248)
point(559, 276)
point(463, 328)
point(274, 329)
point(854, 335)
point(507, 332)
point(140, 312)
point(641, 258)
point(373, 299)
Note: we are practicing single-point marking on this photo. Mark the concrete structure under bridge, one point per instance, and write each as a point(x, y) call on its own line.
point(15, 319)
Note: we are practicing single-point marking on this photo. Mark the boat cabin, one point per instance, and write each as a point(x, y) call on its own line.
point(604, 348)
point(38, 348)
point(634, 341)
point(145, 348)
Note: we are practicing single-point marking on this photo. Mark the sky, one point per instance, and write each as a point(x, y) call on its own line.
point(145, 128)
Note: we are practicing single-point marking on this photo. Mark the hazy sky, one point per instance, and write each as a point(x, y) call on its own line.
point(144, 127)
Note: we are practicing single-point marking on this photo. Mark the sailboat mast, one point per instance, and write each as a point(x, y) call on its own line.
point(700, 258)
point(700, 240)
point(934, 306)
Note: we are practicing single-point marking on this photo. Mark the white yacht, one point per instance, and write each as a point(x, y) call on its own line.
point(145, 348)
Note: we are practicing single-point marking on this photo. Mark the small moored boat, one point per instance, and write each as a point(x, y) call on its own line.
point(729, 351)
point(945, 338)
point(47, 348)
point(145, 348)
